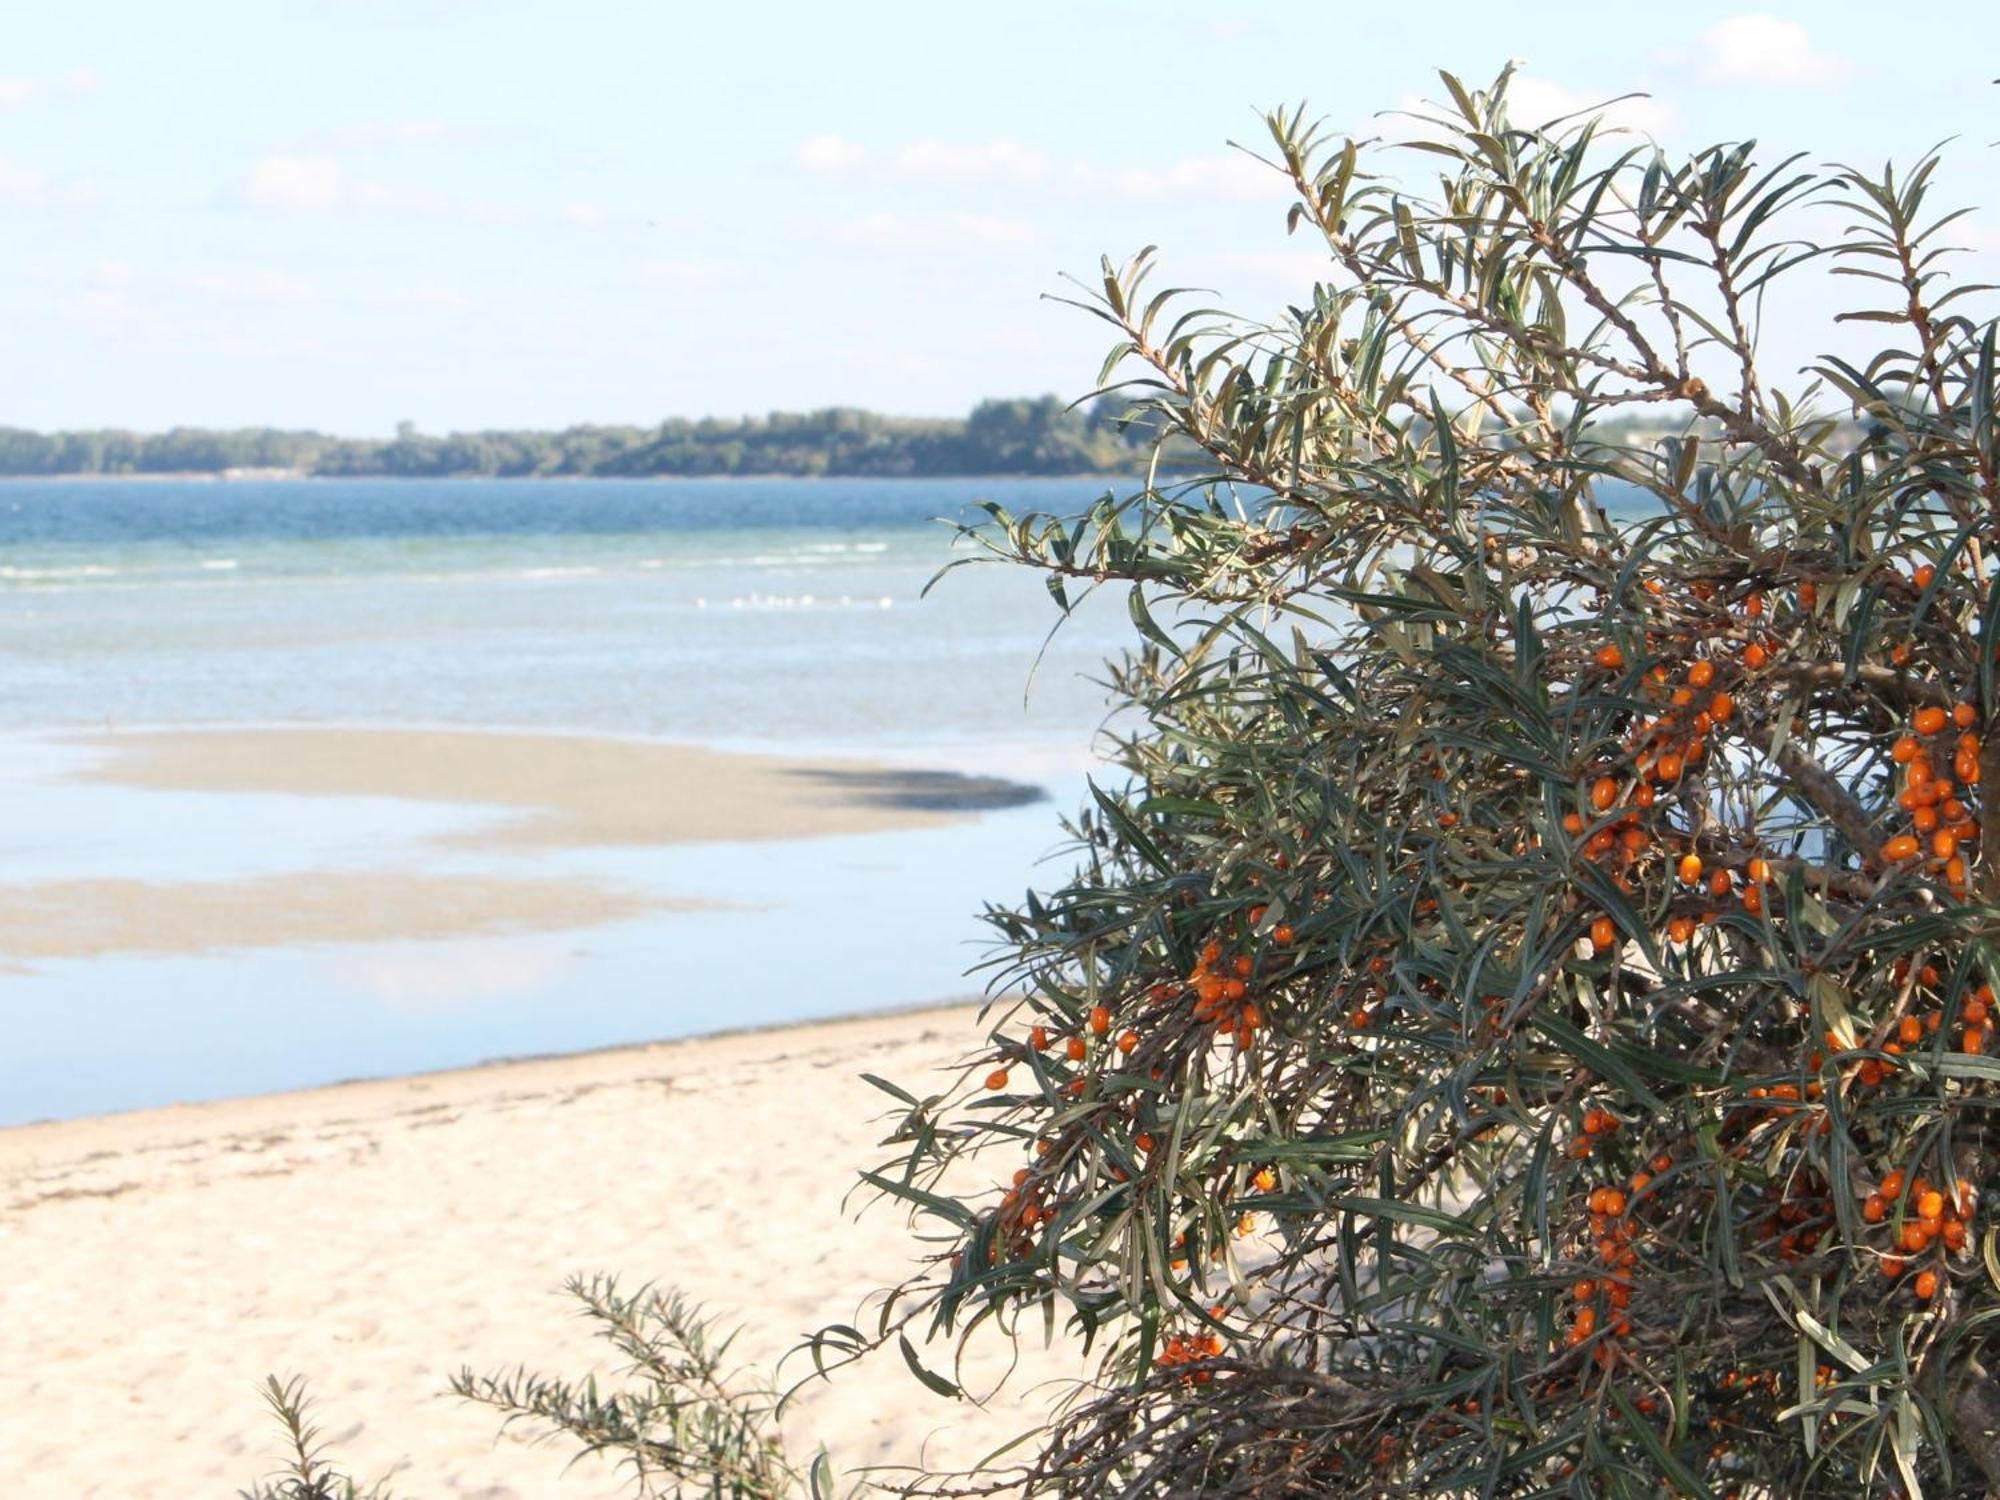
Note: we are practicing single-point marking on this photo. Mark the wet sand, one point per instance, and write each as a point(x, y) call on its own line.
point(565, 790)
point(546, 793)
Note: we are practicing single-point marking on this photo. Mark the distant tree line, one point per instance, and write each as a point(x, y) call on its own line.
point(1025, 436)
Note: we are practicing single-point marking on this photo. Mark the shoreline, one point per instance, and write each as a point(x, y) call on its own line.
point(616, 1056)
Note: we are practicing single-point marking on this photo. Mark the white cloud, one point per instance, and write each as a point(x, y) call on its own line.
point(887, 231)
point(1230, 175)
point(18, 93)
point(304, 183)
point(971, 163)
point(585, 215)
point(1009, 163)
point(25, 186)
point(830, 156)
point(1758, 47)
point(375, 135)
point(1537, 101)
point(430, 296)
point(111, 272)
point(256, 284)
point(674, 273)
point(291, 183)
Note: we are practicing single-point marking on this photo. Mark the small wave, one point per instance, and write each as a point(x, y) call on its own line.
point(82, 570)
point(568, 572)
point(220, 565)
point(802, 601)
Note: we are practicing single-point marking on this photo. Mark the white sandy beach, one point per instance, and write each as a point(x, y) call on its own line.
point(378, 1236)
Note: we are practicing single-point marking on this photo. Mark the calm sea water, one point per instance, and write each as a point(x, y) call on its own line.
point(779, 612)
point(784, 614)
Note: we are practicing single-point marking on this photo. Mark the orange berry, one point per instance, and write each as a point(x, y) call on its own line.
point(1668, 767)
point(1719, 884)
point(1265, 1179)
point(1926, 1285)
point(1755, 657)
point(1894, 1266)
point(1039, 1038)
point(1964, 715)
point(1753, 606)
point(1603, 793)
point(1283, 933)
point(1900, 657)
point(1572, 823)
point(1910, 1031)
point(1808, 595)
point(1929, 720)
point(1874, 1208)
point(1899, 848)
point(1760, 870)
point(1074, 1049)
point(1930, 1204)
point(1100, 1018)
point(1690, 869)
point(1753, 900)
point(1904, 750)
point(1610, 657)
point(1701, 674)
point(1603, 933)
point(1128, 1040)
point(1923, 576)
point(1680, 929)
point(997, 1079)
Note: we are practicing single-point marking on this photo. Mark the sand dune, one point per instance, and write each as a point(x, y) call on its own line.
point(376, 1237)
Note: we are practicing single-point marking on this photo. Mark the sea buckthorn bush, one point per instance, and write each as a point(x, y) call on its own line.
point(1521, 1020)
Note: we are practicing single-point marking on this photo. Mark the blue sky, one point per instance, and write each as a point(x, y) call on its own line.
point(342, 213)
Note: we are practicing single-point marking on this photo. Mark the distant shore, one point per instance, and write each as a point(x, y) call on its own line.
point(227, 476)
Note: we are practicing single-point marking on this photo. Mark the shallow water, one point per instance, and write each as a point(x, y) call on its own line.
point(783, 615)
